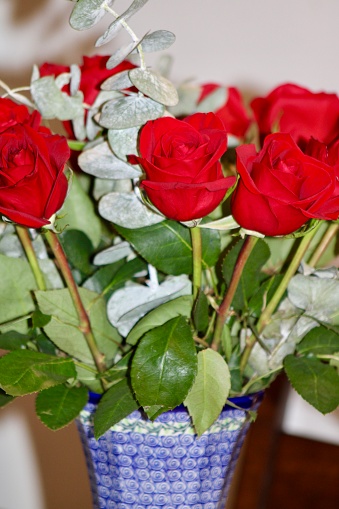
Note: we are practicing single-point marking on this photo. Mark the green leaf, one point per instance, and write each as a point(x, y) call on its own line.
point(177, 307)
point(154, 86)
point(210, 390)
point(119, 370)
point(130, 111)
point(63, 329)
point(251, 276)
point(88, 13)
point(164, 364)
point(5, 398)
point(168, 246)
point(58, 406)
point(13, 340)
point(266, 290)
point(157, 41)
point(200, 312)
point(319, 340)
point(78, 249)
point(116, 404)
point(79, 214)
point(316, 382)
point(39, 319)
point(23, 372)
point(17, 281)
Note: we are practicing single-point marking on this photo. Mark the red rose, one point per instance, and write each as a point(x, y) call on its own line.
point(299, 112)
point(281, 188)
point(12, 114)
point(233, 113)
point(32, 184)
point(184, 179)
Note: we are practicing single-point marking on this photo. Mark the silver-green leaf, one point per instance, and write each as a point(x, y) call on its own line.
point(131, 111)
point(155, 86)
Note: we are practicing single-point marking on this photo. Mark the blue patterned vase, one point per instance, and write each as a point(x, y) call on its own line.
point(140, 464)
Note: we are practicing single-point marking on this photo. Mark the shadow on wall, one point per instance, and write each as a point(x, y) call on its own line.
point(23, 11)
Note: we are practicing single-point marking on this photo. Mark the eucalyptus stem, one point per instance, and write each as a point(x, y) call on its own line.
point(84, 322)
point(224, 308)
point(272, 305)
point(26, 242)
point(130, 32)
point(323, 245)
point(197, 257)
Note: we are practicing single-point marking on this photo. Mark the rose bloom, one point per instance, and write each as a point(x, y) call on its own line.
point(12, 114)
point(33, 186)
point(233, 113)
point(184, 178)
point(299, 112)
point(281, 187)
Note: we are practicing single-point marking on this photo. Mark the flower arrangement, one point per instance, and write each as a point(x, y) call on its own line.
point(186, 257)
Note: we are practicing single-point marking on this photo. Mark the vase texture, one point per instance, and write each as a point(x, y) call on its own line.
point(139, 464)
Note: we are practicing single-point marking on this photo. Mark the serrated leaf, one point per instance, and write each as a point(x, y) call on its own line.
point(118, 81)
point(87, 13)
point(126, 210)
point(319, 340)
point(101, 162)
point(252, 274)
point(164, 364)
point(157, 41)
point(63, 329)
point(116, 404)
point(17, 281)
point(181, 306)
point(131, 111)
point(210, 390)
point(168, 246)
point(58, 406)
point(316, 382)
point(158, 88)
point(13, 340)
point(5, 398)
point(79, 214)
point(23, 372)
point(124, 142)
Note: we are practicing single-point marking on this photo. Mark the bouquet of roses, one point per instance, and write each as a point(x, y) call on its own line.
point(180, 261)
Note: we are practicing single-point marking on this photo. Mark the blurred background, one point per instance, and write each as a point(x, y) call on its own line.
point(252, 44)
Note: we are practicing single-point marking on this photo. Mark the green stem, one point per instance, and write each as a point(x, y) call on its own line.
point(197, 256)
point(224, 308)
point(323, 245)
point(84, 322)
point(26, 242)
point(76, 145)
point(272, 305)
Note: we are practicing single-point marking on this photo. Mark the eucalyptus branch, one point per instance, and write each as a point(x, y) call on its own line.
point(26, 242)
point(132, 34)
point(324, 243)
point(225, 306)
point(272, 305)
point(84, 322)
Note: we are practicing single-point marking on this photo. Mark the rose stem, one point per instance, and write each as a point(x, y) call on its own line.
point(322, 246)
point(270, 308)
point(26, 242)
point(197, 256)
point(84, 326)
point(224, 308)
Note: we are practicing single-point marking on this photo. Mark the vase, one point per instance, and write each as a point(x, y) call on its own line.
point(140, 464)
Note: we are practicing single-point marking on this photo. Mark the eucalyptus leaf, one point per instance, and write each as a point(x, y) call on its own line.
point(158, 88)
point(126, 210)
point(157, 41)
point(168, 246)
point(124, 142)
point(113, 254)
point(58, 406)
point(52, 103)
point(316, 382)
point(101, 162)
point(75, 79)
point(118, 81)
point(164, 365)
point(131, 111)
point(87, 13)
point(210, 390)
point(116, 404)
point(213, 101)
point(188, 95)
point(120, 54)
point(180, 306)
point(24, 372)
